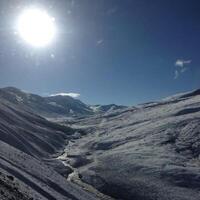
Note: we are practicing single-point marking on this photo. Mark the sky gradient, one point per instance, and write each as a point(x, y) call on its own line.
point(108, 51)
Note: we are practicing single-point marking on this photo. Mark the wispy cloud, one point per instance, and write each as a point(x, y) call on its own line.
point(71, 94)
point(181, 67)
point(176, 74)
point(182, 63)
point(99, 42)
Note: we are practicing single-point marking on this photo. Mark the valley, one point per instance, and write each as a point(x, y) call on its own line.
point(145, 152)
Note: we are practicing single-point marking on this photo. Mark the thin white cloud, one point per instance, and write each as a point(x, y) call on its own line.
point(184, 69)
point(71, 94)
point(182, 63)
point(181, 67)
point(176, 74)
point(99, 42)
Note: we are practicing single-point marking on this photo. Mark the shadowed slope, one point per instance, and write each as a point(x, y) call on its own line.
point(28, 145)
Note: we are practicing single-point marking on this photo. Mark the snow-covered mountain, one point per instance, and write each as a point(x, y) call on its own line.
point(29, 145)
point(106, 108)
point(148, 152)
point(53, 106)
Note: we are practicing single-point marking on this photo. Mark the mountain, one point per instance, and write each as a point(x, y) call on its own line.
point(106, 108)
point(54, 106)
point(72, 106)
point(147, 152)
point(30, 133)
point(29, 145)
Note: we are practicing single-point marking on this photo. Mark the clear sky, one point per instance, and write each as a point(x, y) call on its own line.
point(108, 51)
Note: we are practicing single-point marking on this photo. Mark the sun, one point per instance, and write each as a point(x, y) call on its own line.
point(36, 27)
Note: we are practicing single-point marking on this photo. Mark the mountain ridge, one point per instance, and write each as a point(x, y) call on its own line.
point(53, 106)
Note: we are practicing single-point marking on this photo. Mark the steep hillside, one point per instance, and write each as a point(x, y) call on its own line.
point(22, 177)
point(28, 147)
point(29, 132)
point(149, 152)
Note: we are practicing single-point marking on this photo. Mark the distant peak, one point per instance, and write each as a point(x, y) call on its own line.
point(12, 89)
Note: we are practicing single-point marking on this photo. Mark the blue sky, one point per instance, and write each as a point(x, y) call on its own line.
point(108, 51)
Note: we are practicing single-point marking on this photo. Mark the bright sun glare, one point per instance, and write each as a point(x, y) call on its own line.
point(36, 27)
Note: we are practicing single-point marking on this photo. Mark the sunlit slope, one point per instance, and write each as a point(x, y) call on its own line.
point(151, 151)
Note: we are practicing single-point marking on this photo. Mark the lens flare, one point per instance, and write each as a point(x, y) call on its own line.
point(36, 27)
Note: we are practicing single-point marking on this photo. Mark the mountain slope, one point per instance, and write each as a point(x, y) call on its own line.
point(29, 132)
point(147, 152)
point(24, 177)
point(28, 145)
point(71, 106)
point(106, 108)
point(54, 106)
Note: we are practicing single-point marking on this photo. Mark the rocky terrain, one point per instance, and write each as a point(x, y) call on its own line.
point(147, 152)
